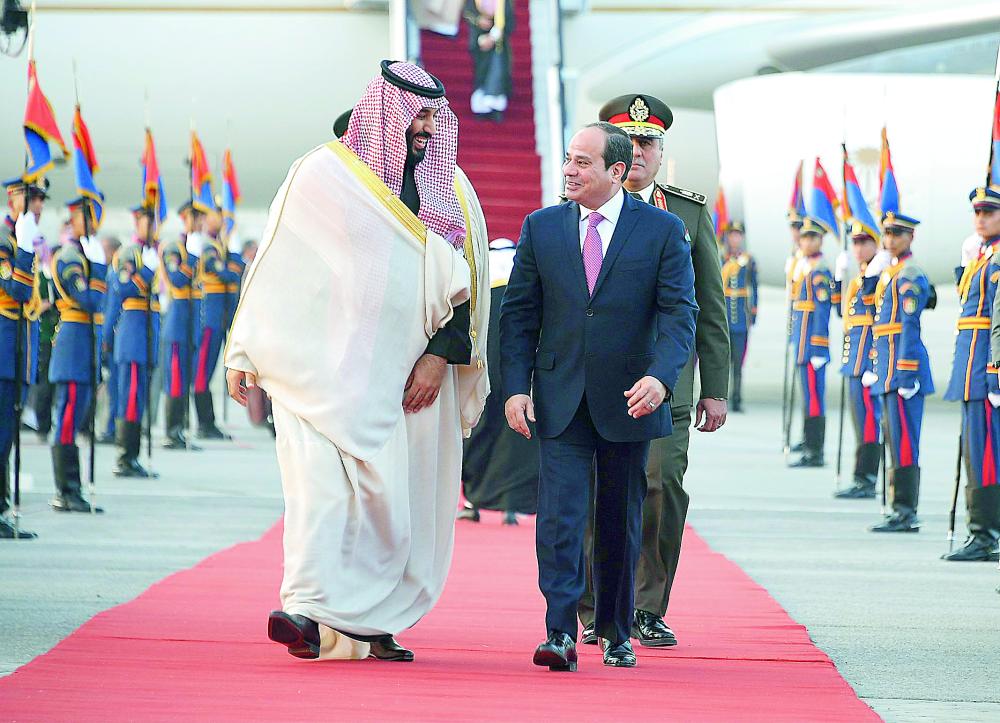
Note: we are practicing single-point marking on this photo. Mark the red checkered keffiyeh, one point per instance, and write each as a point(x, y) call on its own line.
point(377, 135)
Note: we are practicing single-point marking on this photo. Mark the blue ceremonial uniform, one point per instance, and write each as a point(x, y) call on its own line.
point(178, 332)
point(739, 283)
point(811, 302)
point(973, 380)
point(17, 288)
point(107, 334)
point(899, 361)
point(236, 266)
point(866, 410)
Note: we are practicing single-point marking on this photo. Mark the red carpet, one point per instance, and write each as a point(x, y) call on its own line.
point(193, 648)
point(499, 158)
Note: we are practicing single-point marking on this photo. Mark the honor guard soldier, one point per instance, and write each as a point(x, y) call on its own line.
point(859, 317)
point(19, 307)
point(811, 301)
point(215, 278)
point(179, 260)
point(974, 382)
point(899, 372)
point(78, 273)
point(132, 325)
point(646, 119)
point(739, 283)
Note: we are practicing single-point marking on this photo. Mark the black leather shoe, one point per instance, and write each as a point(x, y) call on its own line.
point(651, 631)
point(468, 513)
point(510, 518)
point(386, 648)
point(977, 548)
point(798, 447)
point(212, 432)
point(857, 491)
point(620, 655)
point(7, 531)
point(589, 636)
point(296, 632)
point(808, 459)
point(898, 523)
point(558, 652)
point(72, 502)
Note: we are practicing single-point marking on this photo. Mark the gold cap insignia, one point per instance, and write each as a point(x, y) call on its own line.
point(638, 111)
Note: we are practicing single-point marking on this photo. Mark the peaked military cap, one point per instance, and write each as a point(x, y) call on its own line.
point(141, 209)
point(812, 225)
point(898, 221)
point(860, 231)
point(638, 115)
point(985, 197)
point(36, 189)
point(735, 226)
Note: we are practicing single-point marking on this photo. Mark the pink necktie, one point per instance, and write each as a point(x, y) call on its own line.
point(593, 256)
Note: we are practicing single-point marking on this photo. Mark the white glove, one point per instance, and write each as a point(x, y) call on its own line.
point(235, 245)
point(150, 259)
point(26, 230)
point(994, 399)
point(879, 263)
point(93, 250)
point(195, 243)
point(908, 393)
point(840, 267)
point(970, 249)
point(868, 378)
point(817, 362)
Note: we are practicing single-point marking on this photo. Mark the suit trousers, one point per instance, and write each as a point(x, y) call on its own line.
point(664, 512)
point(565, 487)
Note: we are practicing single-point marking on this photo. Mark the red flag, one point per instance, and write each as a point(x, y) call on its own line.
point(721, 213)
point(229, 176)
point(81, 138)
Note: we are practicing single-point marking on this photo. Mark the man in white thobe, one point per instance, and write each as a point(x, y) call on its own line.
point(361, 318)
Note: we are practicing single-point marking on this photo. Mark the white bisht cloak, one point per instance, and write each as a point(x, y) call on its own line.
point(346, 289)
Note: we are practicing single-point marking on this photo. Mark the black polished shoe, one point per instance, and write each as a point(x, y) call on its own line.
point(132, 468)
point(468, 513)
point(296, 632)
point(589, 636)
point(977, 548)
point(212, 432)
point(7, 531)
point(510, 518)
point(898, 523)
point(558, 652)
point(73, 502)
point(386, 648)
point(798, 447)
point(620, 655)
point(858, 491)
point(651, 631)
point(808, 459)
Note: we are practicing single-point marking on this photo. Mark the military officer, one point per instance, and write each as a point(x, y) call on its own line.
point(179, 260)
point(974, 382)
point(78, 274)
point(216, 279)
point(19, 306)
point(811, 302)
point(739, 282)
point(795, 215)
point(646, 119)
point(859, 315)
point(899, 372)
point(132, 324)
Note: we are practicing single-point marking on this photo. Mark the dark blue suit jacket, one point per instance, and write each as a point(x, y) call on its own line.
point(639, 322)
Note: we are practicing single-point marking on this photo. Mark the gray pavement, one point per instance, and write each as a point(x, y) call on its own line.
point(916, 637)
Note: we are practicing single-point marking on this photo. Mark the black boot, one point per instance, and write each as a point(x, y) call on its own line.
point(7, 529)
point(904, 489)
point(176, 434)
point(983, 510)
point(206, 417)
point(866, 462)
point(129, 442)
point(66, 466)
point(736, 394)
point(814, 433)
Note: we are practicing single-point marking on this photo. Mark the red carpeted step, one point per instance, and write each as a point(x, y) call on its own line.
point(500, 158)
point(194, 648)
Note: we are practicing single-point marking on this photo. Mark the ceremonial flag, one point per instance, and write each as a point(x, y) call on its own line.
point(201, 177)
point(230, 192)
point(720, 215)
point(797, 204)
point(855, 207)
point(86, 166)
point(152, 182)
point(994, 172)
point(824, 199)
point(40, 129)
point(888, 192)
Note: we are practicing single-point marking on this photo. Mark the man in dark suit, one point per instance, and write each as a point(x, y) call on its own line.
point(600, 314)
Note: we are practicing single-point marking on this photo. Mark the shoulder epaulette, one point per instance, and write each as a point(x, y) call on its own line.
point(683, 193)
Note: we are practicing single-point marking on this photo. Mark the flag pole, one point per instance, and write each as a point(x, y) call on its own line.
point(190, 315)
point(843, 312)
point(150, 351)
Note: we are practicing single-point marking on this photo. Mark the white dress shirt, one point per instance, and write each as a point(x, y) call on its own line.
point(647, 193)
point(611, 210)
